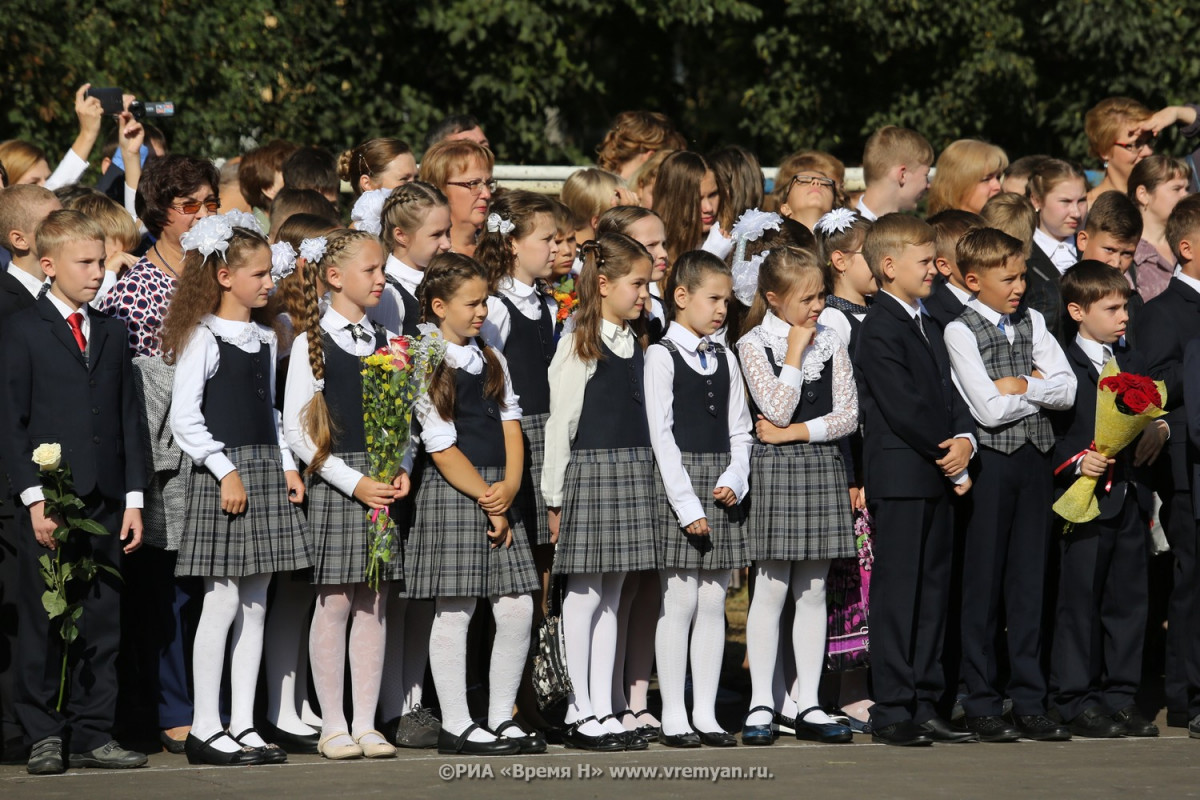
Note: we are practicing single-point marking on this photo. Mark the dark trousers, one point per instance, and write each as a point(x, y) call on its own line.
point(12, 737)
point(1179, 523)
point(1004, 569)
point(1101, 618)
point(909, 588)
point(86, 719)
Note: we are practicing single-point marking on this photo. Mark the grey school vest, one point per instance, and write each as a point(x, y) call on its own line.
point(1004, 360)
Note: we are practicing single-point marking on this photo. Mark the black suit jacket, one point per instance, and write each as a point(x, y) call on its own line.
point(1075, 428)
point(13, 296)
point(909, 403)
point(50, 393)
point(1042, 292)
point(1191, 393)
point(943, 306)
point(1165, 327)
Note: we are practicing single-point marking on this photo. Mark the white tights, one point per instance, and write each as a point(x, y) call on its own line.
point(589, 615)
point(690, 594)
point(362, 609)
point(240, 603)
point(772, 578)
point(513, 614)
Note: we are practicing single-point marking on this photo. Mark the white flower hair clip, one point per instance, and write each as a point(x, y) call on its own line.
point(836, 221)
point(498, 224)
point(368, 211)
point(313, 250)
point(283, 260)
point(750, 226)
point(745, 278)
point(242, 219)
point(208, 235)
point(428, 329)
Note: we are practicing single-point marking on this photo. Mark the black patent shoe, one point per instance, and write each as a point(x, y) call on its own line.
point(758, 734)
point(199, 752)
point(271, 753)
point(1133, 723)
point(451, 745)
point(298, 744)
point(824, 732)
point(648, 732)
point(689, 739)
point(901, 734)
point(717, 739)
point(602, 743)
point(941, 731)
point(530, 743)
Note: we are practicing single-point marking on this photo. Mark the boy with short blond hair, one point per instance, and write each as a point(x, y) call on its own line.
point(1102, 574)
point(896, 164)
point(1010, 370)
point(1014, 214)
point(950, 293)
point(22, 207)
point(68, 380)
point(918, 438)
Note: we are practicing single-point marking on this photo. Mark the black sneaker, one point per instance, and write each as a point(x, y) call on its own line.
point(1041, 728)
point(1193, 728)
point(418, 730)
point(46, 757)
point(108, 756)
point(991, 729)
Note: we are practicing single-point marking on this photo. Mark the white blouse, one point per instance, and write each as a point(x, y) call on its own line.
point(390, 311)
point(778, 396)
point(438, 433)
point(525, 297)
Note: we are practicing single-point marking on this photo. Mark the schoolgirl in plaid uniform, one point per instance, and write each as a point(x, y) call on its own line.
point(700, 431)
point(598, 477)
point(323, 422)
point(466, 542)
point(801, 380)
point(243, 523)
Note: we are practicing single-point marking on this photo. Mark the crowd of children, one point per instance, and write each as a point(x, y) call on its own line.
point(670, 379)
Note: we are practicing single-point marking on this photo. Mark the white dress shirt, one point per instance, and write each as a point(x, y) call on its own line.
point(568, 382)
point(34, 494)
point(197, 364)
point(1062, 254)
point(390, 311)
point(32, 284)
point(1055, 390)
point(962, 295)
point(300, 388)
point(1191, 282)
point(438, 433)
point(862, 209)
point(525, 297)
point(660, 400)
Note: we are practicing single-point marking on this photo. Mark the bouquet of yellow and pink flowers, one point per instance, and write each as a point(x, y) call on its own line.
point(566, 296)
point(393, 378)
point(1125, 405)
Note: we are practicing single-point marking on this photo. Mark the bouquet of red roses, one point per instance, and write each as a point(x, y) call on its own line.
point(1125, 404)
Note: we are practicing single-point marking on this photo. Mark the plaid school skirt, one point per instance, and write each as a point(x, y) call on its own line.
point(800, 504)
point(448, 552)
point(725, 545)
point(341, 532)
point(268, 537)
point(530, 503)
point(609, 519)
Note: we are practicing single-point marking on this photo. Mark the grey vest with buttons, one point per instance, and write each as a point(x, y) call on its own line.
point(1004, 360)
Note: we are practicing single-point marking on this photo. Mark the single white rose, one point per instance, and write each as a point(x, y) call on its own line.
point(47, 456)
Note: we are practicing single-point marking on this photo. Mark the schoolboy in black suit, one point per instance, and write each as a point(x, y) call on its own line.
point(918, 440)
point(1100, 622)
point(67, 378)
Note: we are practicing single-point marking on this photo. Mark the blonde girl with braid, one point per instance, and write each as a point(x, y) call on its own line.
point(415, 227)
point(323, 423)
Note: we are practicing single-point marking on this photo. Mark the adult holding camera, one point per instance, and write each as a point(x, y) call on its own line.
point(25, 162)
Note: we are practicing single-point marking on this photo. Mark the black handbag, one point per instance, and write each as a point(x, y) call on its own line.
point(551, 683)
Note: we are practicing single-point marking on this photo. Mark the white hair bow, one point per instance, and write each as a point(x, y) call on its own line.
point(313, 250)
point(283, 260)
point(498, 224)
point(368, 211)
point(208, 235)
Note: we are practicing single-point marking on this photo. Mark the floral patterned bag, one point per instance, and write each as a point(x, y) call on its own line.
point(551, 683)
point(848, 592)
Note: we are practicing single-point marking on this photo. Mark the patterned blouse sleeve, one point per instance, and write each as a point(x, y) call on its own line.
point(775, 399)
point(843, 420)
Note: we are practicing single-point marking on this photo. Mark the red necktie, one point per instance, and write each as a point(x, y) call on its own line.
point(76, 323)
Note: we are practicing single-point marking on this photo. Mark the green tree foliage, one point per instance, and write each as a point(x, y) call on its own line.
point(546, 76)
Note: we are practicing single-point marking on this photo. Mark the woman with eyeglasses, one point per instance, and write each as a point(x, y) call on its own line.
point(173, 193)
point(1117, 135)
point(462, 170)
point(808, 185)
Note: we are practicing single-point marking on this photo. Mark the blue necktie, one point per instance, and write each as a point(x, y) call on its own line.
point(705, 346)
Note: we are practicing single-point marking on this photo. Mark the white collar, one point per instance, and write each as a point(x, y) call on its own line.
point(864, 211)
point(511, 286)
point(333, 321)
point(1048, 244)
point(1192, 283)
point(409, 278)
point(963, 295)
point(465, 356)
point(64, 309)
point(236, 332)
point(913, 310)
point(610, 334)
point(775, 326)
point(1094, 351)
point(685, 339)
point(28, 281)
point(987, 312)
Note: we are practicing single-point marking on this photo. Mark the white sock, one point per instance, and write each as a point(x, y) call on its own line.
point(639, 648)
point(391, 691)
point(247, 654)
point(671, 646)
point(286, 653)
point(808, 634)
point(580, 607)
point(417, 624)
point(448, 661)
point(513, 614)
point(708, 648)
point(604, 645)
point(368, 641)
point(221, 604)
point(762, 634)
point(327, 654)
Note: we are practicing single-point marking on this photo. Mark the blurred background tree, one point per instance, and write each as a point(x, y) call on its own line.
point(546, 77)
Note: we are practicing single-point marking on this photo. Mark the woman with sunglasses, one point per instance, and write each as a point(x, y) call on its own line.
point(462, 170)
point(1121, 132)
point(808, 185)
point(173, 193)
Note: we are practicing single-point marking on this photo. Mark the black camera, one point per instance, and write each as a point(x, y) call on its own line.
point(143, 111)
